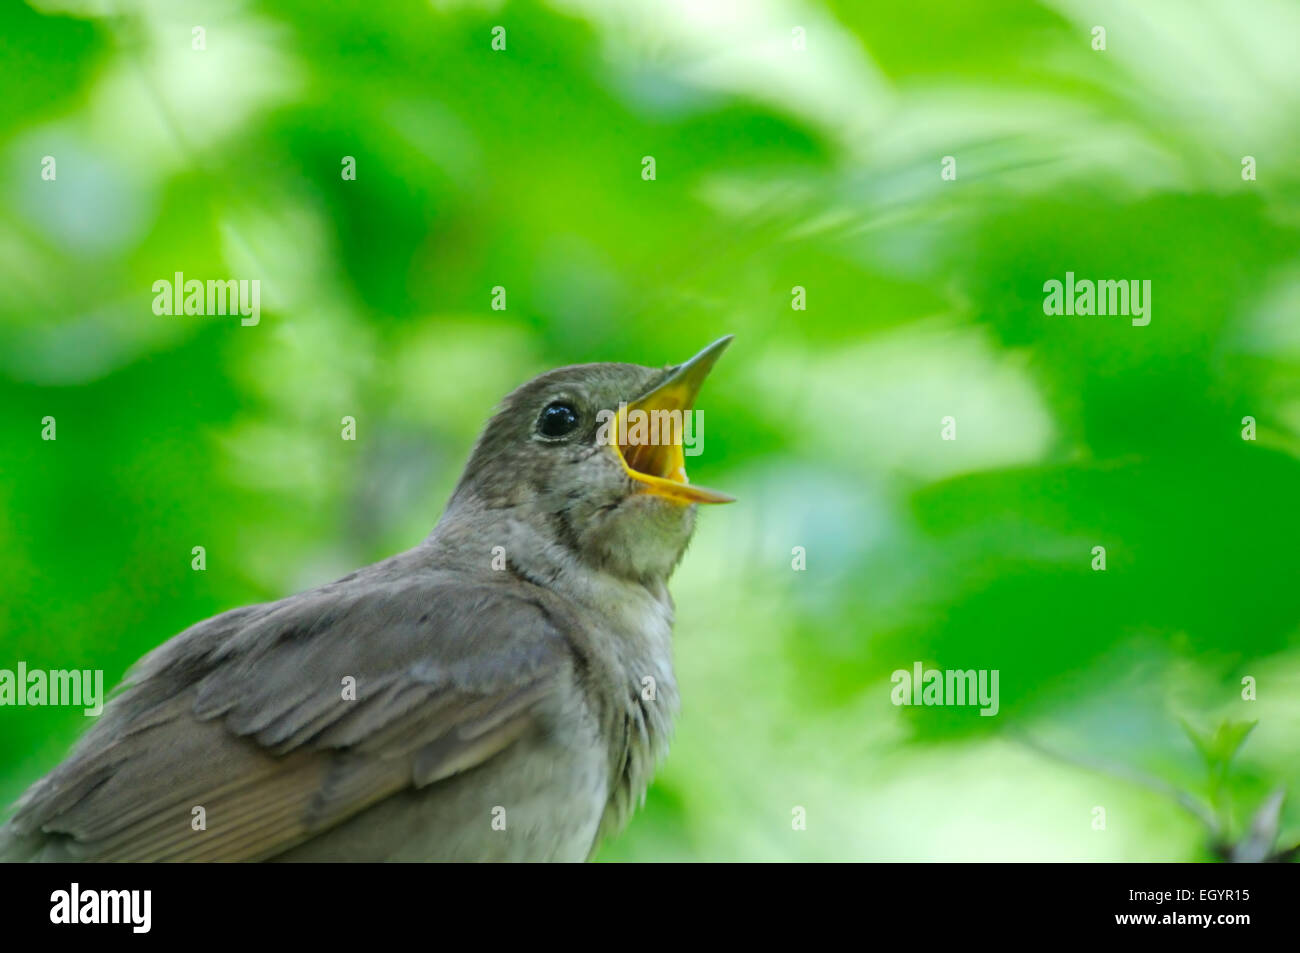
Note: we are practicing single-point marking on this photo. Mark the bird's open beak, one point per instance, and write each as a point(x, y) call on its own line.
point(650, 443)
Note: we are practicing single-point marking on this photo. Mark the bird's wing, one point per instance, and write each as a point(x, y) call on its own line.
point(248, 716)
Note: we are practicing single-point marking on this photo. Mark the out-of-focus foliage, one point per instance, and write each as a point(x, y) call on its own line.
point(776, 167)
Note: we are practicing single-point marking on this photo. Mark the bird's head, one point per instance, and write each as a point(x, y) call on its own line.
point(593, 456)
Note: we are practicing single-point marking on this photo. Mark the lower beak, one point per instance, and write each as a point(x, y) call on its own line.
point(651, 449)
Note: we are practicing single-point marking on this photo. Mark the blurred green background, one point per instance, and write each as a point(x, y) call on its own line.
point(777, 166)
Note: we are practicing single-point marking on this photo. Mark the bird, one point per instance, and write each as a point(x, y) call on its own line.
point(503, 691)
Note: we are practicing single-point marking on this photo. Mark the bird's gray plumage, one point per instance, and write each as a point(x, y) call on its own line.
point(500, 706)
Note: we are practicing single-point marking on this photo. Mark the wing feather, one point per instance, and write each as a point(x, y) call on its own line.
point(244, 716)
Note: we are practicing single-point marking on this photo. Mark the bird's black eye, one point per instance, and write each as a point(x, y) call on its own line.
point(558, 419)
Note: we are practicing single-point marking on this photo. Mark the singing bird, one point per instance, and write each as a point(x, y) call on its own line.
point(503, 691)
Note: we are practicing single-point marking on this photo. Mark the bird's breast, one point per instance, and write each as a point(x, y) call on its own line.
point(640, 699)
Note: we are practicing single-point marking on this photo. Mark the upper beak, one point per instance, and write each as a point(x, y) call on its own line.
point(652, 453)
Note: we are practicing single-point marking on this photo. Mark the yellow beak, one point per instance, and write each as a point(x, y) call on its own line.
point(649, 432)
